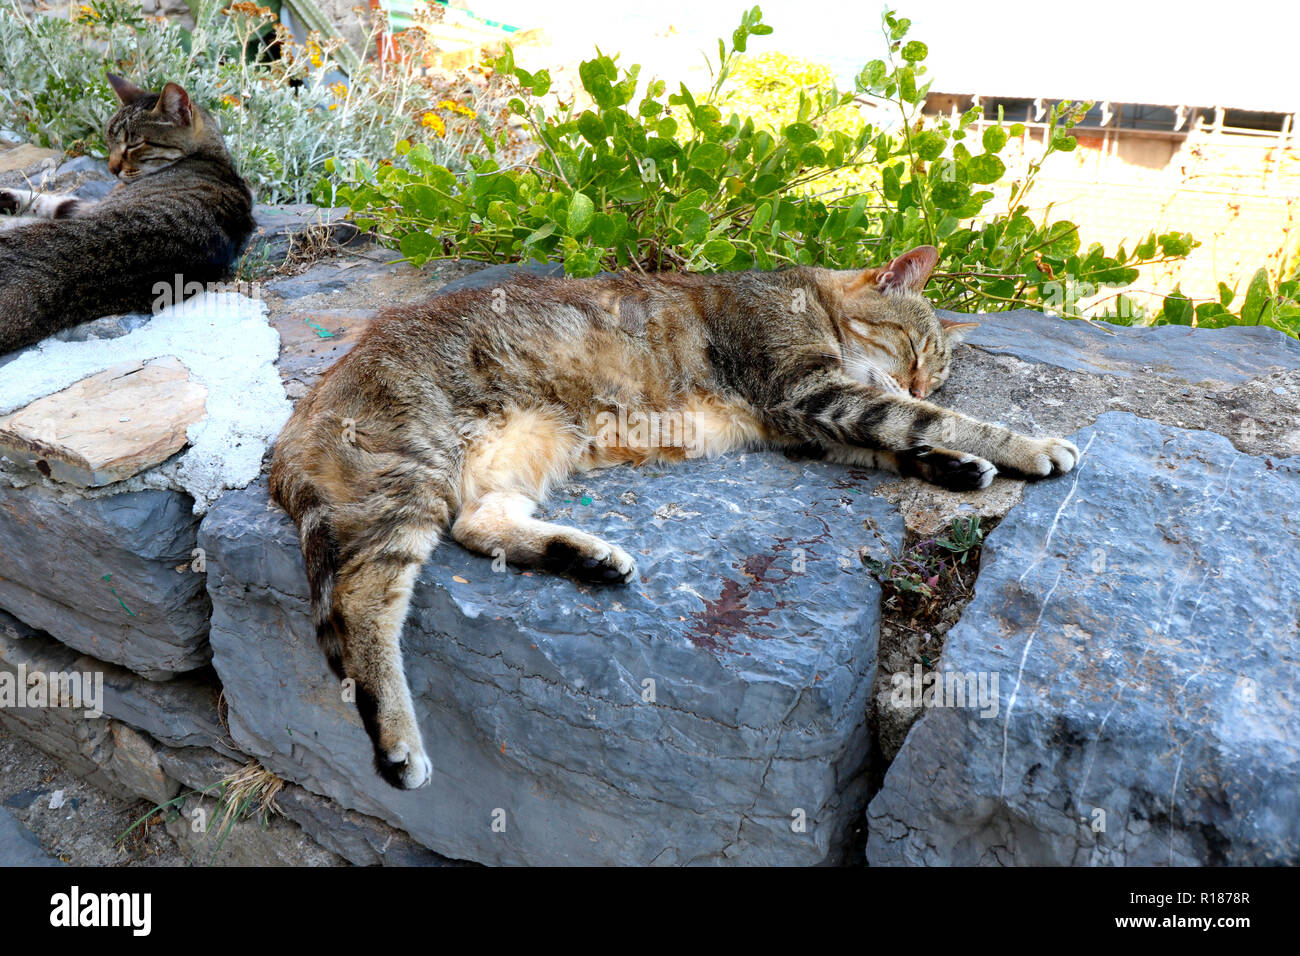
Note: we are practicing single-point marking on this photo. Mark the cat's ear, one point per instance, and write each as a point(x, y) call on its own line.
point(174, 104)
point(954, 331)
point(909, 272)
point(126, 91)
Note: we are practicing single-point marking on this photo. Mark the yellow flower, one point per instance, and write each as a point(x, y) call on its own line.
point(230, 100)
point(340, 90)
point(456, 108)
point(249, 10)
point(435, 123)
point(87, 13)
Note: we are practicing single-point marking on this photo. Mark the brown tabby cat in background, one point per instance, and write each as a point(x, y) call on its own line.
point(181, 209)
point(464, 411)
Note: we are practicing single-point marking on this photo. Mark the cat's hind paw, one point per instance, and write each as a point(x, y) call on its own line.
point(404, 765)
point(594, 560)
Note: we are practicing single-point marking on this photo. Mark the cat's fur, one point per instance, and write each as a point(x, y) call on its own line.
point(464, 411)
point(180, 209)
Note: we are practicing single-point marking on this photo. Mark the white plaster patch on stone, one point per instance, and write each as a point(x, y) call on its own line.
point(228, 345)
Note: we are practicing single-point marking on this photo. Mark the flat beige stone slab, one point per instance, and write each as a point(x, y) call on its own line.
point(25, 155)
point(109, 426)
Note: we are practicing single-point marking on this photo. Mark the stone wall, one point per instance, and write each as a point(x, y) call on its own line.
point(1134, 624)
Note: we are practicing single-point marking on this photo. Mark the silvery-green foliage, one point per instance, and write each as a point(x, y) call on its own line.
point(282, 119)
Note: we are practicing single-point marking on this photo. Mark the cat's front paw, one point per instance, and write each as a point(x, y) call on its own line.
point(404, 764)
point(953, 470)
point(1049, 457)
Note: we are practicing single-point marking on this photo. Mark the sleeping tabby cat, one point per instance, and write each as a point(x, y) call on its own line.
point(180, 209)
point(464, 411)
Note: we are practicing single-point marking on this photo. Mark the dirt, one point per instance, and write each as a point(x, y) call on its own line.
point(913, 629)
point(75, 821)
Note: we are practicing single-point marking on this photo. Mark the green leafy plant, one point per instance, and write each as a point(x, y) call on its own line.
point(965, 536)
point(1276, 306)
point(932, 566)
point(666, 182)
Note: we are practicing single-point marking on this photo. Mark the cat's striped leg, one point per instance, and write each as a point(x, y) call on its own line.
point(828, 407)
point(954, 470)
point(501, 524)
point(362, 557)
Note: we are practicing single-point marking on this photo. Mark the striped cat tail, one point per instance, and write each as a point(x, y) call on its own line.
point(320, 553)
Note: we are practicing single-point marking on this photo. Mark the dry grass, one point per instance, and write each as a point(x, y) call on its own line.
point(250, 789)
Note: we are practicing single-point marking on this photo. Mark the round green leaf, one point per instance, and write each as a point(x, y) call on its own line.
point(427, 202)
point(1064, 142)
point(719, 251)
point(995, 137)
point(800, 133)
point(499, 213)
point(915, 51)
point(695, 226)
point(417, 246)
point(592, 128)
point(692, 200)
point(985, 168)
point(907, 84)
point(930, 144)
point(581, 212)
point(950, 195)
point(603, 229)
point(708, 156)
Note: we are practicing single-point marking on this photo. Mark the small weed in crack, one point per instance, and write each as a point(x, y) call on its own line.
point(924, 589)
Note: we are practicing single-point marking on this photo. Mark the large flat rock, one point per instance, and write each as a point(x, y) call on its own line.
point(1230, 355)
point(108, 426)
point(713, 711)
point(112, 575)
point(27, 158)
point(1140, 617)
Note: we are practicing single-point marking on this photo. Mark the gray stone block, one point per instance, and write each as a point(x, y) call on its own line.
point(1228, 355)
point(1141, 618)
point(108, 575)
point(19, 846)
point(182, 712)
point(112, 755)
point(753, 621)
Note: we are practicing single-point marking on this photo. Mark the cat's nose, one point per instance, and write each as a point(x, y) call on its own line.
point(918, 391)
point(114, 164)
